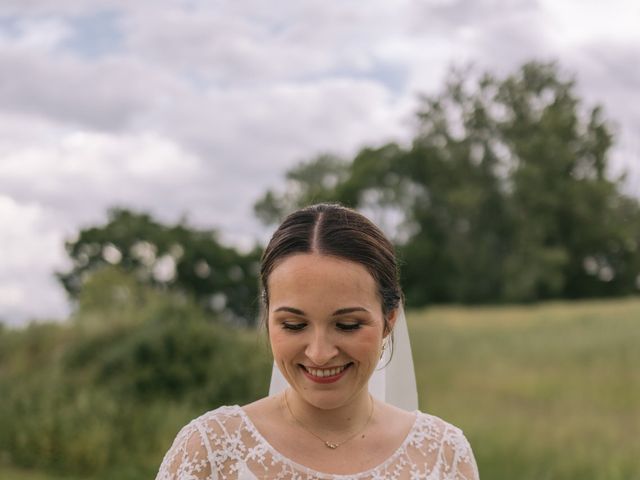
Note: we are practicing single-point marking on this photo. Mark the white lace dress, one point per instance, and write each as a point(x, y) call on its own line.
point(224, 444)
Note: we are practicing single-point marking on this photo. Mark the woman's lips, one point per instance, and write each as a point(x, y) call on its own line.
point(325, 375)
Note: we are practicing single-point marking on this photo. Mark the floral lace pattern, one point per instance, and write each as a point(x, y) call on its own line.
point(223, 444)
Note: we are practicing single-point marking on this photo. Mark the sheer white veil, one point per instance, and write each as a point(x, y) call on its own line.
point(393, 381)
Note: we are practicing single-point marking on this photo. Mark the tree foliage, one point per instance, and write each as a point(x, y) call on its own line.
point(503, 194)
point(175, 258)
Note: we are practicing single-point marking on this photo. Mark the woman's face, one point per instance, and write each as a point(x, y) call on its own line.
point(326, 327)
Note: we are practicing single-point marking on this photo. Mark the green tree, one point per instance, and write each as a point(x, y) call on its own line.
point(177, 257)
point(503, 194)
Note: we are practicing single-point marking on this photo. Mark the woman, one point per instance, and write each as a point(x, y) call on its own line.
point(332, 299)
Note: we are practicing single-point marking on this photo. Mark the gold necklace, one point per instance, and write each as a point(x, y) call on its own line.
point(327, 443)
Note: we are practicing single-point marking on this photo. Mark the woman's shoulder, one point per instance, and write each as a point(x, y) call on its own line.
point(226, 421)
point(435, 425)
point(220, 421)
point(428, 426)
point(201, 442)
point(222, 413)
point(432, 433)
point(211, 426)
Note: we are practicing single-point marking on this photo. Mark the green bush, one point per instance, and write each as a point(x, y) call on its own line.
point(104, 395)
point(174, 360)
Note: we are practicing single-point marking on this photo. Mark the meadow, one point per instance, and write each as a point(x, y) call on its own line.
point(543, 392)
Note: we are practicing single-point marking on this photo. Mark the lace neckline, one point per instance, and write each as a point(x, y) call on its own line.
point(323, 475)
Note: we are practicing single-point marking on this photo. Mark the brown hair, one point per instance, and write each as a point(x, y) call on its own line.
point(332, 229)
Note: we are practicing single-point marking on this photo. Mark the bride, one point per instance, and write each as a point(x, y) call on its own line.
point(332, 301)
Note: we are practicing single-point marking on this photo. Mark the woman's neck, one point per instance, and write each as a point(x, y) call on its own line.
point(346, 418)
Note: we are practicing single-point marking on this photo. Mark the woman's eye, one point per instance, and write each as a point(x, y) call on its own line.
point(348, 326)
point(293, 326)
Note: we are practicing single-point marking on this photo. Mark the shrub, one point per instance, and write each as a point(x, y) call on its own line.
point(104, 395)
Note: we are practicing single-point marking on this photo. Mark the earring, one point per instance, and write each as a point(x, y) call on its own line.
point(384, 347)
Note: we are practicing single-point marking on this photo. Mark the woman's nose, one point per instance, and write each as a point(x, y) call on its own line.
point(321, 349)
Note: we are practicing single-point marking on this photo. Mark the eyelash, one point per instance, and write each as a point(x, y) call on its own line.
point(293, 326)
point(345, 327)
point(348, 327)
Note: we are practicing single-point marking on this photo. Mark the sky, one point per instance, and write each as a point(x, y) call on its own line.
point(195, 108)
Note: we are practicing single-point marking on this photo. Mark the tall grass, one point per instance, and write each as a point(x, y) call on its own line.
point(543, 392)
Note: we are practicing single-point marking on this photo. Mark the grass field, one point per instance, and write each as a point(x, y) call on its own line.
point(542, 392)
point(12, 473)
point(545, 392)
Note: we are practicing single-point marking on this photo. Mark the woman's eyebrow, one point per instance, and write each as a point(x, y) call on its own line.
point(340, 311)
point(344, 311)
point(295, 311)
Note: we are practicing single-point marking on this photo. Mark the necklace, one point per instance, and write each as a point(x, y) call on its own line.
point(327, 443)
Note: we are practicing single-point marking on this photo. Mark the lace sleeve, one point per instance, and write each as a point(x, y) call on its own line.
point(189, 458)
point(461, 464)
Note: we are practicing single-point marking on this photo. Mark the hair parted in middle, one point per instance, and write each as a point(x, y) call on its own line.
point(332, 229)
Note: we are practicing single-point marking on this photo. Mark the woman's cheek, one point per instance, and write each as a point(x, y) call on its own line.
point(370, 339)
point(279, 343)
point(367, 347)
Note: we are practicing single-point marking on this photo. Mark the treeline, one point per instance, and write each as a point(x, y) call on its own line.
point(505, 194)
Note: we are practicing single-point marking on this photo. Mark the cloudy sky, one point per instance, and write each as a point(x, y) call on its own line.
point(196, 107)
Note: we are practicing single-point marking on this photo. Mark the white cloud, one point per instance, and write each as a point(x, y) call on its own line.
point(251, 43)
point(31, 251)
point(89, 168)
point(106, 94)
point(578, 22)
point(39, 34)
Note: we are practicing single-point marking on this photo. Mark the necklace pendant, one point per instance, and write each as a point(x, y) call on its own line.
point(331, 445)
